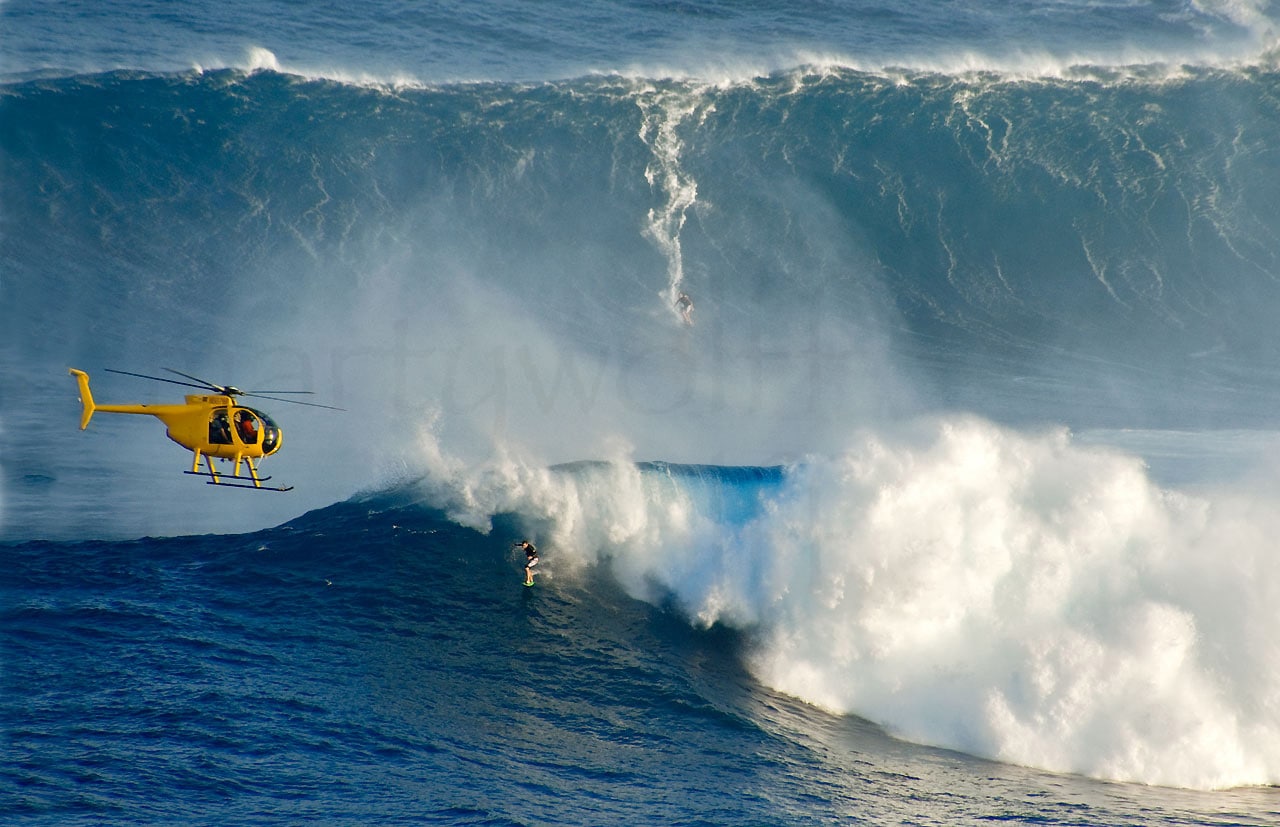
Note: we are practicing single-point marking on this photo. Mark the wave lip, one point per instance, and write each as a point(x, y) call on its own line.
point(509, 42)
point(1005, 64)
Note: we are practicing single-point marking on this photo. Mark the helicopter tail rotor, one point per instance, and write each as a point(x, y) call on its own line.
point(86, 398)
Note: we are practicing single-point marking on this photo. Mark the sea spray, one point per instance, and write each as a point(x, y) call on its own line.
point(1020, 597)
point(1012, 595)
point(666, 109)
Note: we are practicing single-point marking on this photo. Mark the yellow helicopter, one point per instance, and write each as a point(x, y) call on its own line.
point(209, 426)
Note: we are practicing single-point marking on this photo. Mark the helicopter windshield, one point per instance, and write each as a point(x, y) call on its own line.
point(270, 433)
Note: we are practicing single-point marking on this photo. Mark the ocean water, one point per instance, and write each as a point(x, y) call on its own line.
point(954, 504)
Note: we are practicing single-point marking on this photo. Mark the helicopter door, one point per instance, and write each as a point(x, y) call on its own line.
point(219, 428)
point(248, 429)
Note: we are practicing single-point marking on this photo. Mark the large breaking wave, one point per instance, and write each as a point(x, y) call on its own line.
point(1010, 595)
point(483, 274)
point(1041, 236)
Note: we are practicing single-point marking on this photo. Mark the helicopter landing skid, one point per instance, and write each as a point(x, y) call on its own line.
point(247, 485)
point(233, 481)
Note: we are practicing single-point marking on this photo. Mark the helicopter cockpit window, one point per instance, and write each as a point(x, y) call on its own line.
point(270, 433)
point(247, 427)
point(219, 428)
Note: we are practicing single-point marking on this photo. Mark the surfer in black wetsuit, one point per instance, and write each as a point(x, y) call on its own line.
point(530, 560)
point(684, 305)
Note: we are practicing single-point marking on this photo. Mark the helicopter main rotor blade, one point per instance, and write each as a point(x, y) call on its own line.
point(158, 378)
point(259, 393)
point(294, 401)
point(225, 390)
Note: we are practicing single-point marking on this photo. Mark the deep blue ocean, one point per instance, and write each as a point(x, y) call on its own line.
point(956, 503)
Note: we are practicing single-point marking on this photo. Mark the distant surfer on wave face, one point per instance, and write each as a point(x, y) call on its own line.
point(684, 305)
point(530, 560)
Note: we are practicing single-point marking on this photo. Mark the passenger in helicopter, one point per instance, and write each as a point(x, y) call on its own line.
point(219, 429)
point(247, 428)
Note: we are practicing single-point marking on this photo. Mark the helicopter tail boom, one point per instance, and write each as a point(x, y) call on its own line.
point(86, 398)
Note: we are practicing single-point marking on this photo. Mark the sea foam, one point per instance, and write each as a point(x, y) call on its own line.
point(1012, 595)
